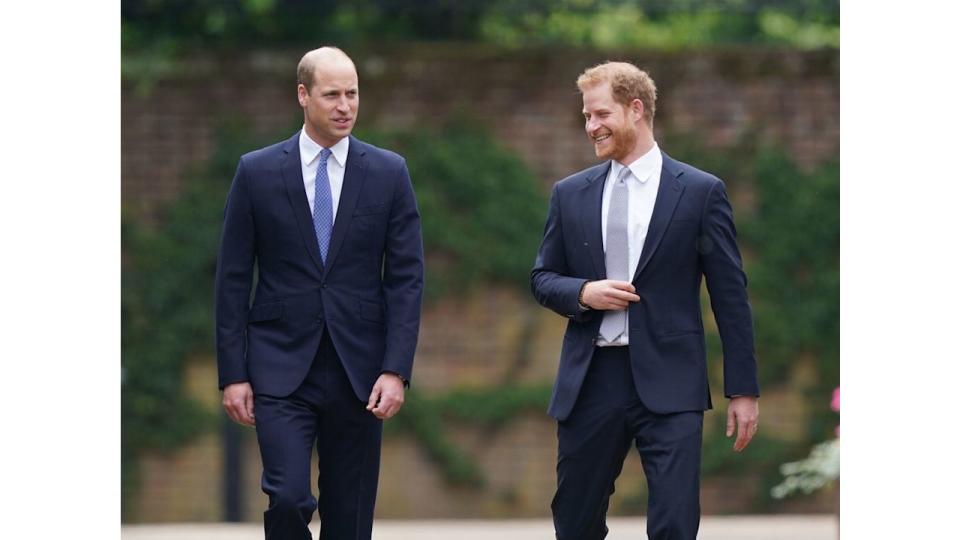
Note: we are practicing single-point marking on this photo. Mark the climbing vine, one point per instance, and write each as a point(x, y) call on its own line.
point(483, 213)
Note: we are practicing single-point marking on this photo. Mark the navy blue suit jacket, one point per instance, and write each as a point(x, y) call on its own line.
point(367, 295)
point(691, 235)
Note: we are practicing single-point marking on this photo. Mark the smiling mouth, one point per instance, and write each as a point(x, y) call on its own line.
point(601, 138)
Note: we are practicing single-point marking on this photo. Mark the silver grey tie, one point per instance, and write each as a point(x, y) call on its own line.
point(618, 252)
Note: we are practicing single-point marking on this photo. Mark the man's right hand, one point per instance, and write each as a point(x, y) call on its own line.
point(238, 402)
point(609, 294)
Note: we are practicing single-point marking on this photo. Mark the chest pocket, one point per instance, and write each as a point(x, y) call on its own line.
point(370, 210)
point(370, 220)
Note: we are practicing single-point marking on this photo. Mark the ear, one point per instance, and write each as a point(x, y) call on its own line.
point(302, 95)
point(636, 107)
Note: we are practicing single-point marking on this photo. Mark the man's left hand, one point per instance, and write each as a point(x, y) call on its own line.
point(742, 412)
point(387, 396)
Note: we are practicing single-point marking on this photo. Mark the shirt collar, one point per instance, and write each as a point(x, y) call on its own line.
point(309, 149)
point(644, 166)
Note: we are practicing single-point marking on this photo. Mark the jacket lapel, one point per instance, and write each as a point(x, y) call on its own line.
point(591, 220)
point(292, 174)
point(668, 194)
point(353, 179)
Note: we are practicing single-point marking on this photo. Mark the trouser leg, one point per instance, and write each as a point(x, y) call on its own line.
point(286, 431)
point(670, 448)
point(348, 451)
point(592, 444)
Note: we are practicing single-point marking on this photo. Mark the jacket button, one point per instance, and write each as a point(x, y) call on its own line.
point(324, 284)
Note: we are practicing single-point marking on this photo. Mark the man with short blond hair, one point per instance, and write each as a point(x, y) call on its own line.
point(625, 247)
point(323, 354)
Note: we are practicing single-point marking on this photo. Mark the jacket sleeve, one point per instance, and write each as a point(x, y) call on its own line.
point(727, 285)
point(234, 280)
point(403, 278)
point(550, 281)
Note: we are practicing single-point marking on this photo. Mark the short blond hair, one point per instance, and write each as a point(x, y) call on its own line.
point(627, 81)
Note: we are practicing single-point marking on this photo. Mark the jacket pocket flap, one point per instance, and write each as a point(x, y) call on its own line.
point(367, 210)
point(265, 312)
point(371, 311)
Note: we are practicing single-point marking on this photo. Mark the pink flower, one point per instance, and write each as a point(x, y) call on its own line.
point(835, 405)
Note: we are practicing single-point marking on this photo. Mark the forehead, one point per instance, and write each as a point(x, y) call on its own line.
point(599, 96)
point(335, 74)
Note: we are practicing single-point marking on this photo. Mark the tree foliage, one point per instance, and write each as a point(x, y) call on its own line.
point(662, 24)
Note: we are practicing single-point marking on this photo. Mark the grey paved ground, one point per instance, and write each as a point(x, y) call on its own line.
point(711, 528)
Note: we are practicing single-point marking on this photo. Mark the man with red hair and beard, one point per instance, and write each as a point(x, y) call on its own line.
point(624, 250)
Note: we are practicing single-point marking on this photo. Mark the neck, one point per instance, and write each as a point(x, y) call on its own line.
point(644, 144)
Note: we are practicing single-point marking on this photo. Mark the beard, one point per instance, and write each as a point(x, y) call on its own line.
point(623, 142)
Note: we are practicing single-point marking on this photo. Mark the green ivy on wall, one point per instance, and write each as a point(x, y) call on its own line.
point(167, 309)
point(481, 208)
point(483, 214)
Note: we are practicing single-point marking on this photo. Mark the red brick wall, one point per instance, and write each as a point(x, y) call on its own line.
point(530, 102)
point(528, 99)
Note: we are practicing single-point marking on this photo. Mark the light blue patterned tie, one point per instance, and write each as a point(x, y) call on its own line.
point(323, 205)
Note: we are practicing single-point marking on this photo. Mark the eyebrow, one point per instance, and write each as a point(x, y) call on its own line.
point(337, 90)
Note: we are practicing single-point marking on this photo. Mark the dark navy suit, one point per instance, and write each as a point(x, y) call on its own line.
point(652, 392)
point(317, 336)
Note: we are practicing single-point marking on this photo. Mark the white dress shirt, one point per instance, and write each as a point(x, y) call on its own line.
point(336, 166)
point(642, 187)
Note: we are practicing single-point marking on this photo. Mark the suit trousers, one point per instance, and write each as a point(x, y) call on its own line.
point(594, 440)
point(323, 411)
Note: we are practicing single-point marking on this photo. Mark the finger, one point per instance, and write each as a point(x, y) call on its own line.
point(395, 407)
point(743, 439)
point(387, 404)
point(229, 411)
point(729, 423)
point(382, 412)
point(623, 286)
point(240, 410)
point(751, 433)
point(745, 432)
point(622, 295)
point(374, 397)
point(234, 413)
point(617, 300)
point(249, 407)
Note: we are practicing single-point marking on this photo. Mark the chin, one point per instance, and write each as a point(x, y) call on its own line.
point(604, 153)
